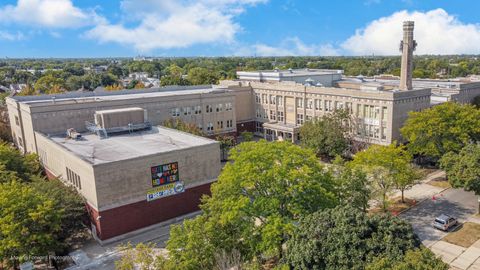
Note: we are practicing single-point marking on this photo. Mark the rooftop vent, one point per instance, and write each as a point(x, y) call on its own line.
point(126, 120)
point(73, 134)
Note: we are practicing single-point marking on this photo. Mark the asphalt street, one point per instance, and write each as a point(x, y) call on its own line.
point(453, 202)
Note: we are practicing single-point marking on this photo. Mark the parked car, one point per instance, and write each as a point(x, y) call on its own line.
point(444, 222)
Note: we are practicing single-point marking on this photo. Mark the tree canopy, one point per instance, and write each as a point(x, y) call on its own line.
point(29, 222)
point(328, 135)
point(415, 259)
point(388, 167)
point(444, 128)
point(345, 238)
point(463, 168)
point(254, 204)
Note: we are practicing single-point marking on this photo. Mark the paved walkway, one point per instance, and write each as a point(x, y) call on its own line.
point(458, 257)
point(422, 190)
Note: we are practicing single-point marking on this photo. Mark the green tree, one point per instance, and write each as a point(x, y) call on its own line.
point(352, 183)
point(327, 135)
point(47, 82)
point(171, 80)
point(28, 223)
point(444, 128)
point(142, 256)
point(23, 167)
point(476, 102)
point(67, 201)
point(346, 238)
point(254, 204)
point(463, 168)
point(387, 166)
point(198, 76)
point(181, 125)
point(246, 136)
point(416, 259)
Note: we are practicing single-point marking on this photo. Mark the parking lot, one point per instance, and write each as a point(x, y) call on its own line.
point(453, 202)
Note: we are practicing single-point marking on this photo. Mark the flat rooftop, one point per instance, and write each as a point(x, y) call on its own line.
point(82, 97)
point(292, 72)
point(96, 150)
point(418, 83)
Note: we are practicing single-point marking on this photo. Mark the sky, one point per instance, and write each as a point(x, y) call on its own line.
point(164, 28)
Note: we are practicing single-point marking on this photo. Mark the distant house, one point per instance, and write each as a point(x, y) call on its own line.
point(17, 87)
point(4, 89)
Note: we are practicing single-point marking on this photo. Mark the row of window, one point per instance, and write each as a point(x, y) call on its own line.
point(269, 99)
point(372, 131)
point(74, 179)
point(210, 127)
point(372, 112)
point(198, 109)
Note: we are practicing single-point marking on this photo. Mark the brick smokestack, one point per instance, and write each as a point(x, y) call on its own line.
point(407, 46)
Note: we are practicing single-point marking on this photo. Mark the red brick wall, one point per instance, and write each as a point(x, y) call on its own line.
point(127, 218)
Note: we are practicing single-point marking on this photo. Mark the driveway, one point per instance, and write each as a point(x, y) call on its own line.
point(455, 202)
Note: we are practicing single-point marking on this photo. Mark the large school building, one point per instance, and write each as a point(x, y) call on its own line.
point(134, 173)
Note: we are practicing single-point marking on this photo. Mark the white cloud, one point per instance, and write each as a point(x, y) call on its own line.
point(436, 32)
point(174, 24)
point(48, 13)
point(11, 36)
point(292, 47)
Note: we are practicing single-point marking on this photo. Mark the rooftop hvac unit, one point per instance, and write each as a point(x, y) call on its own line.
point(73, 134)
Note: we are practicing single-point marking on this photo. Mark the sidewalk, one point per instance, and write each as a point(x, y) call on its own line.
point(458, 257)
point(422, 190)
point(93, 255)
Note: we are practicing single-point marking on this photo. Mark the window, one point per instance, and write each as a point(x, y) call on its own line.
point(219, 107)
point(384, 133)
point(209, 108)
point(338, 105)
point(310, 103)
point(308, 117)
point(175, 112)
point(348, 106)
point(376, 133)
point(259, 113)
point(228, 107)
point(187, 111)
point(74, 178)
point(273, 100)
point(318, 104)
point(17, 121)
point(280, 116)
point(359, 110)
point(280, 100)
point(200, 127)
point(299, 102)
point(229, 123)
point(272, 115)
point(210, 126)
point(384, 113)
point(299, 119)
point(198, 109)
point(258, 99)
point(265, 113)
point(258, 127)
point(264, 99)
point(328, 105)
point(220, 124)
